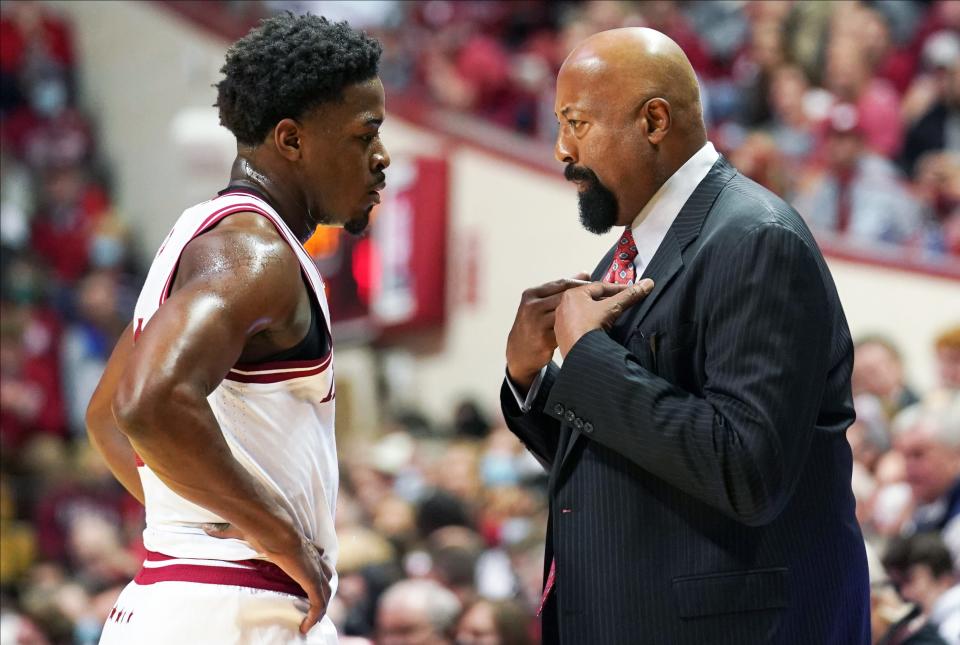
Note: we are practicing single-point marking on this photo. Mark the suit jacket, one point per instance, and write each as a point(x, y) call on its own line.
point(699, 471)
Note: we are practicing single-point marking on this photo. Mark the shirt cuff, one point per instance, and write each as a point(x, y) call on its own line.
point(527, 403)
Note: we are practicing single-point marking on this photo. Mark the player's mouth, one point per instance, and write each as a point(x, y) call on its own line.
point(374, 193)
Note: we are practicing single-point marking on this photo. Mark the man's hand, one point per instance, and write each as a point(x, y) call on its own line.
point(531, 341)
point(299, 558)
point(594, 306)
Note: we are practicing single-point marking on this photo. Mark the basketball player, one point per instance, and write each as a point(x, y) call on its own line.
point(222, 391)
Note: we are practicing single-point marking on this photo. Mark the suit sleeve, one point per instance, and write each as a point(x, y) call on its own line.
point(741, 446)
point(538, 432)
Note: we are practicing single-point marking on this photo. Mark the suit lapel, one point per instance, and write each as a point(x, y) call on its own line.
point(664, 266)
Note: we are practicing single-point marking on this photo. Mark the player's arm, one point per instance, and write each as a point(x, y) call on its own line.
point(102, 427)
point(233, 283)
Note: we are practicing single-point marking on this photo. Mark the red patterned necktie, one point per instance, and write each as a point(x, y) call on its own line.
point(621, 270)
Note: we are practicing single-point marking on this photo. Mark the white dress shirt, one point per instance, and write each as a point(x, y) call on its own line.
point(649, 228)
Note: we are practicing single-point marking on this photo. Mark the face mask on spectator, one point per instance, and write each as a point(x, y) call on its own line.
point(498, 470)
point(515, 529)
point(48, 97)
point(106, 251)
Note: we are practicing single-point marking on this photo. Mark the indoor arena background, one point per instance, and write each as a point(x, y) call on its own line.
point(108, 134)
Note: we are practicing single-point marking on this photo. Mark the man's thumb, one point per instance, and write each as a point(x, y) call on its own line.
point(221, 530)
point(629, 297)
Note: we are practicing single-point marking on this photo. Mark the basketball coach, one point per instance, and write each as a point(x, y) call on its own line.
point(695, 433)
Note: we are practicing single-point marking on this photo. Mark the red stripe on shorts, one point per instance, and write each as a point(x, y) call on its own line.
point(261, 575)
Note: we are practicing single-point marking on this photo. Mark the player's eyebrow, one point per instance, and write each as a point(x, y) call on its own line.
point(567, 109)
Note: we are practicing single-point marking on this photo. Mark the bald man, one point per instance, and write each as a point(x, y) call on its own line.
point(699, 474)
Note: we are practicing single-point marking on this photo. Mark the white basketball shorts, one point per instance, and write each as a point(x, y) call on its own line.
point(178, 601)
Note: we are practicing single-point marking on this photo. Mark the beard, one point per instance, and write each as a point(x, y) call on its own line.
point(357, 225)
point(598, 205)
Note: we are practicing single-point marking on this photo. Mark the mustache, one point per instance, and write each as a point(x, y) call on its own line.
point(381, 178)
point(580, 173)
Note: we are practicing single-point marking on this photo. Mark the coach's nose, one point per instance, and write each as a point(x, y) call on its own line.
point(564, 150)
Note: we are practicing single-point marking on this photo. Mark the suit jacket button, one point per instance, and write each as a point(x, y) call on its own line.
point(570, 416)
point(578, 423)
point(558, 409)
point(588, 427)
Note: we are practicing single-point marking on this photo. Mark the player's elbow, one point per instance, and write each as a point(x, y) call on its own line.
point(136, 406)
point(97, 408)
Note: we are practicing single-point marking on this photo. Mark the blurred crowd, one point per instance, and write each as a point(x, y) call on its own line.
point(906, 481)
point(851, 109)
point(69, 535)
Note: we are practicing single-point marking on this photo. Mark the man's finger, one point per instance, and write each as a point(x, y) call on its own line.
point(631, 296)
point(313, 613)
point(557, 286)
point(583, 275)
point(600, 290)
point(222, 531)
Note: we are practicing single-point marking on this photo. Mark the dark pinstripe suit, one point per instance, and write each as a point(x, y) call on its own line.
point(699, 473)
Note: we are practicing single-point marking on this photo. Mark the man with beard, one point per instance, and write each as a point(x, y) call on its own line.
point(223, 388)
point(699, 474)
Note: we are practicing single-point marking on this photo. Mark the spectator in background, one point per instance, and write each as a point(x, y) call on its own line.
point(929, 579)
point(869, 435)
point(858, 194)
point(494, 622)
point(928, 437)
point(889, 60)
point(83, 520)
point(932, 106)
point(937, 187)
point(469, 421)
point(947, 347)
point(793, 113)
point(878, 371)
point(894, 621)
point(35, 43)
point(850, 78)
point(30, 396)
point(64, 226)
point(757, 67)
point(89, 340)
point(892, 504)
point(417, 612)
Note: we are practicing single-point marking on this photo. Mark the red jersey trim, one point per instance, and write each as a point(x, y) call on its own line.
point(272, 372)
point(212, 219)
point(279, 371)
point(256, 574)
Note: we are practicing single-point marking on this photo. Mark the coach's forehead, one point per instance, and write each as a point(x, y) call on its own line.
point(616, 68)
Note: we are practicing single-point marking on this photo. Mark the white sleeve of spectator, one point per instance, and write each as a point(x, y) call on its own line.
point(526, 403)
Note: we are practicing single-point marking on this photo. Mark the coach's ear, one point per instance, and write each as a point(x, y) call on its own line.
point(286, 136)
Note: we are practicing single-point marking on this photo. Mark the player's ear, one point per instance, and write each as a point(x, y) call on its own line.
point(286, 136)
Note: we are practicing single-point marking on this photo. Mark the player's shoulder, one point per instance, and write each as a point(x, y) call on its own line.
point(246, 248)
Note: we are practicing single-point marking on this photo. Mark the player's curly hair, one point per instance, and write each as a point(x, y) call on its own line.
point(287, 66)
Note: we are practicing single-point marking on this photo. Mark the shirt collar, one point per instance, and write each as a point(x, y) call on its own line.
point(651, 225)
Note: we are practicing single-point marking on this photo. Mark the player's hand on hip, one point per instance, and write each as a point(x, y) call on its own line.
point(594, 306)
point(531, 341)
point(299, 558)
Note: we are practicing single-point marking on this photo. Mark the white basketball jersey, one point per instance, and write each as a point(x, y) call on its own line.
point(277, 418)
